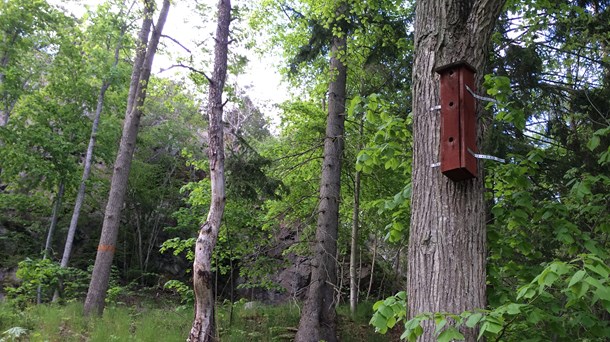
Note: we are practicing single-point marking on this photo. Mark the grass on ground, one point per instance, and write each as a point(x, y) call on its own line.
point(236, 323)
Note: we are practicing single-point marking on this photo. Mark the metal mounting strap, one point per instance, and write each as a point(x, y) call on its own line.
point(476, 155)
point(486, 156)
point(479, 97)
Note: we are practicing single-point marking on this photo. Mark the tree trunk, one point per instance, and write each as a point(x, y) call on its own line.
point(80, 196)
point(51, 232)
point(204, 326)
point(318, 319)
point(354, 279)
point(368, 293)
point(96, 295)
point(54, 218)
point(4, 112)
point(446, 265)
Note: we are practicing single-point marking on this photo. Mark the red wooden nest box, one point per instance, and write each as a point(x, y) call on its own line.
point(458, 121)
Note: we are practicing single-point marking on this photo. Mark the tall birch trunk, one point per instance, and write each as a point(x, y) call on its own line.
point(94, 303)
point(318, 318)
point(446, 266)
point(204, 326)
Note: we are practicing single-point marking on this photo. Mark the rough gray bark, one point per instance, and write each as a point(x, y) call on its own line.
point(318, 318)
point(446, 266)
point(204, 325)
point(94, 303)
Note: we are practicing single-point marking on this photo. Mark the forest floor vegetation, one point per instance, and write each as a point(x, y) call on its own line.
point(144, 322)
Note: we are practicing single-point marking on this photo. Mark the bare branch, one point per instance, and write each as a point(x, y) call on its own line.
point(177, 42)
point(180, 65)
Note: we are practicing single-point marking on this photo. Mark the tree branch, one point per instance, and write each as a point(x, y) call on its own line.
point(180, 65)
point(177, 42)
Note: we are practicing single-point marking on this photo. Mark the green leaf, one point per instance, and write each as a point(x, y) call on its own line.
point(473, 320)
point(593, 142)
point(514, 309)
point(549, 278)
point(594, 282)
point(440, 324)
point(491, 327)
point(386, 311)
point(577, 277)
point(380, 323)
point(450, 334)
point(352, 105)
point(599, 269)
point(389, 301)
point(603, 293)
point(581, 289)
point(533, 317)
point(377, 305)
point(526, 292)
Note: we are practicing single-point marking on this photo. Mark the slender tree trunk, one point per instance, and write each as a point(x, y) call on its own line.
point(319, 319)
point(5, 112)
point(80, 196)
point(368, 293)
point(204, 326)
point(54, 217)
point(157, 224)
point(446, 263)
point(138, 236)
point(353, 277)
point(96, 295)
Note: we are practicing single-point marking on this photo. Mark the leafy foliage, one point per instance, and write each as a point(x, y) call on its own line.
point(45, 274)
point(566, 300)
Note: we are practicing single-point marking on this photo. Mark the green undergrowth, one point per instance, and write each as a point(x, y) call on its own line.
point(237, 322)
point(119, 323)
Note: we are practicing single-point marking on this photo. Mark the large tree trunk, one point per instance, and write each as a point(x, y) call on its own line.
point(318, 318)
point(98, 286)
point(446, 270)
point(204, 326)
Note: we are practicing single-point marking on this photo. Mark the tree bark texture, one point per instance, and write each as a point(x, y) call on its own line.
point(94, 303)
point(318, 318)
point(204, 325)
point(447, 242)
